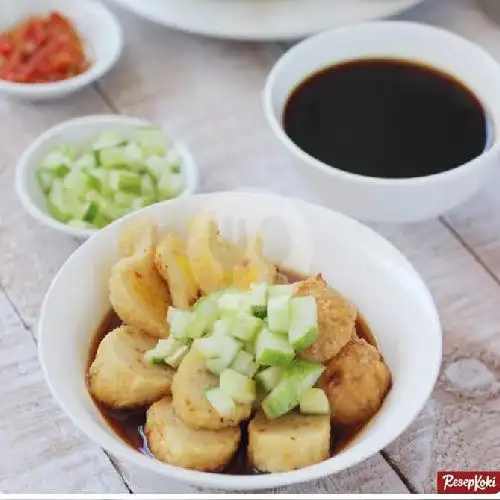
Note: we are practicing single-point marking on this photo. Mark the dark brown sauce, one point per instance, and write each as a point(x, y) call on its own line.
point(129, 424)
point(387, 118)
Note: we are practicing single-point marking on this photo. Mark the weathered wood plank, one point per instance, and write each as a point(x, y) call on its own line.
point(31, 254)
point(458, 428)
point(42, 452)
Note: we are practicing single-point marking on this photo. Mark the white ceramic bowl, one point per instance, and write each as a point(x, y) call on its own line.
point(353, 258)
point(80, 131)
point(99, 28)
point(376, 199)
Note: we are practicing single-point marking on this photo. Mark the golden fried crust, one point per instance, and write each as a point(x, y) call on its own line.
point(356, 383)
point(288, 443)
point(336, 319)
point(119, 377)
point(173, 265)
point(190, 402)
point(171, 441)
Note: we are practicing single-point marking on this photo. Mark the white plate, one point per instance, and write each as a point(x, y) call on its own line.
point(262, 19)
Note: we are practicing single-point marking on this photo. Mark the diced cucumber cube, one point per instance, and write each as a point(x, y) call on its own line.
point(278, 313)
point(256, 298)
point(56, 159)
point(269, 377)
point(179, 322)
point(163, 349)
point(221, 327)
point(222, 403)
point(57, 203)
point(121, 180)
point(314, 402)
point(244, 363)
point(303, 330)
point(241, 388)
point(148, 187)
point(85, 162)
point(205, 314)
point(230, 303)
point(157, 166)
point(215, 366)
point(297, 378)
point(109, 139)
point(282, 290)
point(67, 150)
point(77, 182)
point(209, 347)
point(133, 155)
point(152, 141)
point(175, 359)
point(245, 326)
point(45, 179)
point(170, 186)
point(112, 158)
point(273, 349)
point(91, 211)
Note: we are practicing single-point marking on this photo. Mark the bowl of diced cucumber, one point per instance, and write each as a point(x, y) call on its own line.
point(85, 173)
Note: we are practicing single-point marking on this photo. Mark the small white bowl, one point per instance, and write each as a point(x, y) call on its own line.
point(81, 131)
point(353, 258)
point(372, 198)
point(102, 36)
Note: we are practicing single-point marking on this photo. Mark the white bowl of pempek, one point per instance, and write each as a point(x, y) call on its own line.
point(100, 31)
point(81, 133)
point(354, 259)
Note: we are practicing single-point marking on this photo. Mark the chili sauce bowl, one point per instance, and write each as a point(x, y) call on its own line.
point(98, 27)
point(352, 258)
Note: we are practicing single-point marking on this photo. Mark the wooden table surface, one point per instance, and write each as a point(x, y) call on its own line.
point(208, 92)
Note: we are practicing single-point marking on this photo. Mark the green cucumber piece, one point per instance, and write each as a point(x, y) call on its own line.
point(205, 314)
point(303, 330)
point(175, 359)
point(122, 180)
point(215, 366)
point(157, 166)
point(57, 203)
point(112, 158)
point(109, 139)
point(90, 212)
point(245, 326)
point(179, 322)
point(297, 378)
point(152, 141)
point(256, 298)
point(244, 363)
point(241, 388)
point(314, 402)
point(221, 327)
point(273, 349)
point(163, 349)
point(80, 224)
point(221, 402)
point(229, 303)
point(85, 162)
point(209, 347)
point(133, 155)
point(282, 290)
point(45, 179)
point(55, 160)
point(269, 377)
point(278, 313)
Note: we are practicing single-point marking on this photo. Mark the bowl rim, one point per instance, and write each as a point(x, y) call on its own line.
point(242, 483)
point(23, 169)
point(93, 73)
point(305, 46)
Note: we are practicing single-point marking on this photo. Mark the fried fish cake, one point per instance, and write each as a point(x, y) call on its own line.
point(336, 319)
point(173, 265)
point(288, 443)
point(119, 377)
point(356, 382)
point(173, 442)
point(191, 381)
point(138, 294)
